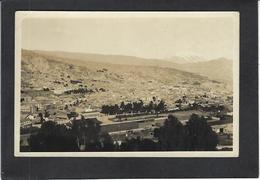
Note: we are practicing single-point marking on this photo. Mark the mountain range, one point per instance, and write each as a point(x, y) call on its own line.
point(220, 69)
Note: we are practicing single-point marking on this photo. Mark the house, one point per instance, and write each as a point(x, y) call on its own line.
point(26, 124)
point(37, 125)
point(223, 128)
point(62, 121)
point(61, 117)
point(58, 91)
point(72, 115)
point(26, 98)
point(230, 113)
point(91, 114)
point(215, 118)
point(25, 108)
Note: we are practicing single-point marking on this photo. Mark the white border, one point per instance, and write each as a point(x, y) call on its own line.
point(21, 15)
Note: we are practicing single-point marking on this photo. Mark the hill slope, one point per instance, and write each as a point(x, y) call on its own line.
point(111, 59)
point(121, 82)
point(218, 69)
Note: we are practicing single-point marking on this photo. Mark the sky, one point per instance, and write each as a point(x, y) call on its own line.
point(147, 36)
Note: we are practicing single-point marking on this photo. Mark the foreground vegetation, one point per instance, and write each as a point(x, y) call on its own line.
point(86, 135)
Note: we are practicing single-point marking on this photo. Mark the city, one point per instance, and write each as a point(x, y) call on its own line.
point(125, 110)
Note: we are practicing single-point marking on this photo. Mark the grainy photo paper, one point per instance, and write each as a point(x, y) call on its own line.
point(126, 84)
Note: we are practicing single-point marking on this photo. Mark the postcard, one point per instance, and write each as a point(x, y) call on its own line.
point(126, 84)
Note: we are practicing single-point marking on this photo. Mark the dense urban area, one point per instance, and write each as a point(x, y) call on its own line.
point(74, 105)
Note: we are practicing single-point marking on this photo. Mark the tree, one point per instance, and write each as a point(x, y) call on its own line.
point(106, 142)
point(52, 137)
point(46, 113)
point(129, 107)
point(178, 103)
point(150, 107)
point(104, 109)
point(89, 136)
point(138, 144)
point(116, 109)
point(84, 135)
point(86, 132)
point(135, 107)
point(141, 104)
point(148, 145)
point(199, 135)
point(161, 106)
point(122, 106)
point(171, 135)
point(41, 117)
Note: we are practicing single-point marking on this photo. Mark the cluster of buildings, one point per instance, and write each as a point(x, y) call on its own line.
point(117, 126)
point(51, 104)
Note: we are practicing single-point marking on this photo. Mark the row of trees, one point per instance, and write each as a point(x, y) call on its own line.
point(86, 135)
point(134, 107)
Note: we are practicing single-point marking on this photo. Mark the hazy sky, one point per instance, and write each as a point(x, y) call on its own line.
point(144, 36)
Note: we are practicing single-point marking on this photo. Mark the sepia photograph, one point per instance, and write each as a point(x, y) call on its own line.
point(126, 84)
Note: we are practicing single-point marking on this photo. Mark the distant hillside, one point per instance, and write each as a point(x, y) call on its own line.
point(185, 59)
point(218, 69)
point(111, 59)
point(119, 81)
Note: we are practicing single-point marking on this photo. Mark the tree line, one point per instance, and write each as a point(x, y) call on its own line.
point(86, 135)
point(134, 107)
